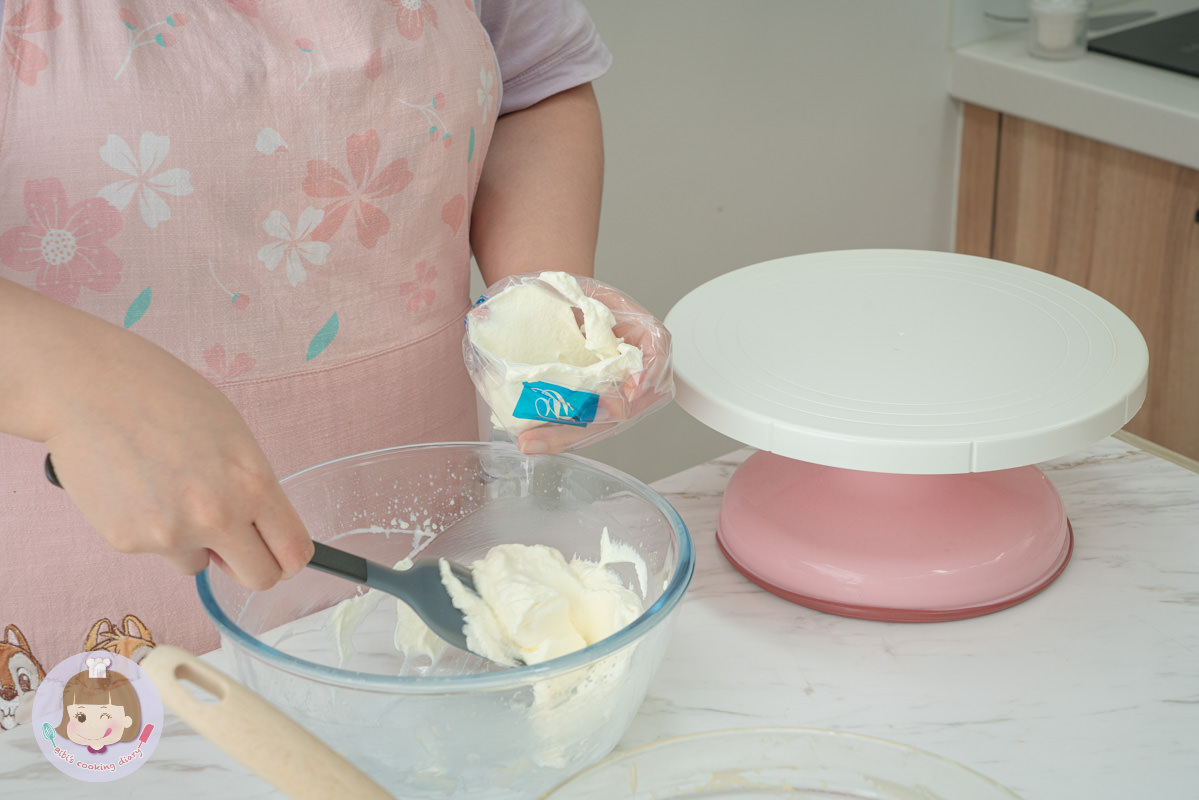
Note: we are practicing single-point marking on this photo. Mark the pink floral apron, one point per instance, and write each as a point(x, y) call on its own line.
point(276, 191)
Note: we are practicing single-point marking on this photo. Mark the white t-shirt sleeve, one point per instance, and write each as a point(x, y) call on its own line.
point(543, 47)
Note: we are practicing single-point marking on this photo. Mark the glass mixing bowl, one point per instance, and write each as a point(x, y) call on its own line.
point(791, 763)
point(455, 725)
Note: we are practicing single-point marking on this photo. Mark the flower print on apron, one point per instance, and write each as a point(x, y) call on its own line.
point(276, 192)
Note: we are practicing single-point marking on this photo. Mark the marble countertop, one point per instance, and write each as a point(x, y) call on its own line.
point(1134, 106)
point(1089, 689)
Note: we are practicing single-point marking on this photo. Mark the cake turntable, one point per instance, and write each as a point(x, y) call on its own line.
point(899, 401)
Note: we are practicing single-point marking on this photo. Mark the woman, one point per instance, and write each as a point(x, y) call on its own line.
point(235, 241)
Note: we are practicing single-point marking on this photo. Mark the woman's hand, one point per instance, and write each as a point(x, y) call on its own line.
point(155, 456)
point(644, 391)
point(159, 461)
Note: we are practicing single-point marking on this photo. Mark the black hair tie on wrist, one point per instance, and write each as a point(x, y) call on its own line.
point(50, 474)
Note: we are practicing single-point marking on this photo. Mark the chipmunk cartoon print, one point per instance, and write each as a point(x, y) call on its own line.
point(131, 639)
point(20, 675)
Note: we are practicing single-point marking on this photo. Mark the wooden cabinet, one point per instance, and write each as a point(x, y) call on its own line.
point(1122, 224)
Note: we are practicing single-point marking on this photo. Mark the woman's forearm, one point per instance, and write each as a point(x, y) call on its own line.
point(49, 350)
point(538, 203)
point(154, 455)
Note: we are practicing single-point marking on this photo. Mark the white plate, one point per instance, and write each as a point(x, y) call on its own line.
point(757, 763)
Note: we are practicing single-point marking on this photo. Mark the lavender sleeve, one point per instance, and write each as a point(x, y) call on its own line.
point(543, 47)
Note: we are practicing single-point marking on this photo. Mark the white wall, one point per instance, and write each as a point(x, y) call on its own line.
point(742, 131)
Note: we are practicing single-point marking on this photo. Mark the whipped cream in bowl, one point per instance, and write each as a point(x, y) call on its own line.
point(580, 571)
point(529, 605)
point(533, 605)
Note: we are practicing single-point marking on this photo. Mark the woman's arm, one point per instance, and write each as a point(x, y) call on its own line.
point(155, 456)
point(538, 209)
point(538, 202)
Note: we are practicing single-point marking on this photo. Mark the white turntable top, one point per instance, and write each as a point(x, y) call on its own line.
point(906, 361)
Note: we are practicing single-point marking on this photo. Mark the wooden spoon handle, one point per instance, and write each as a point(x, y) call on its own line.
point(254, 732)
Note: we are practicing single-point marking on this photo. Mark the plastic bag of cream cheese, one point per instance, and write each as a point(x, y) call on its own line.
point(567, 357)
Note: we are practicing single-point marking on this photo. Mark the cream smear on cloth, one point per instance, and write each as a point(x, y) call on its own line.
point(546, 331)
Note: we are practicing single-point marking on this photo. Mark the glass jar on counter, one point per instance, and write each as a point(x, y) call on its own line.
point(1058, 28)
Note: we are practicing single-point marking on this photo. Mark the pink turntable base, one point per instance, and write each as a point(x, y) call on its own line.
point(900, 548)
point(900, 399)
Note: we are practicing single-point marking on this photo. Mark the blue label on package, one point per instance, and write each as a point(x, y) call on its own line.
point(552, 403)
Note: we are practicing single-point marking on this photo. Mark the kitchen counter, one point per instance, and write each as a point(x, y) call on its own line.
point(1141, 108)
point(1089, 689)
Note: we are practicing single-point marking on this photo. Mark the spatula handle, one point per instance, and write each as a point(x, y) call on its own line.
point(254, 732)
point(338, 562)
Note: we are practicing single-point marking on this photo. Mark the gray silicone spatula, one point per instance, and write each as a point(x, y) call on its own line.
point(419, 586)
